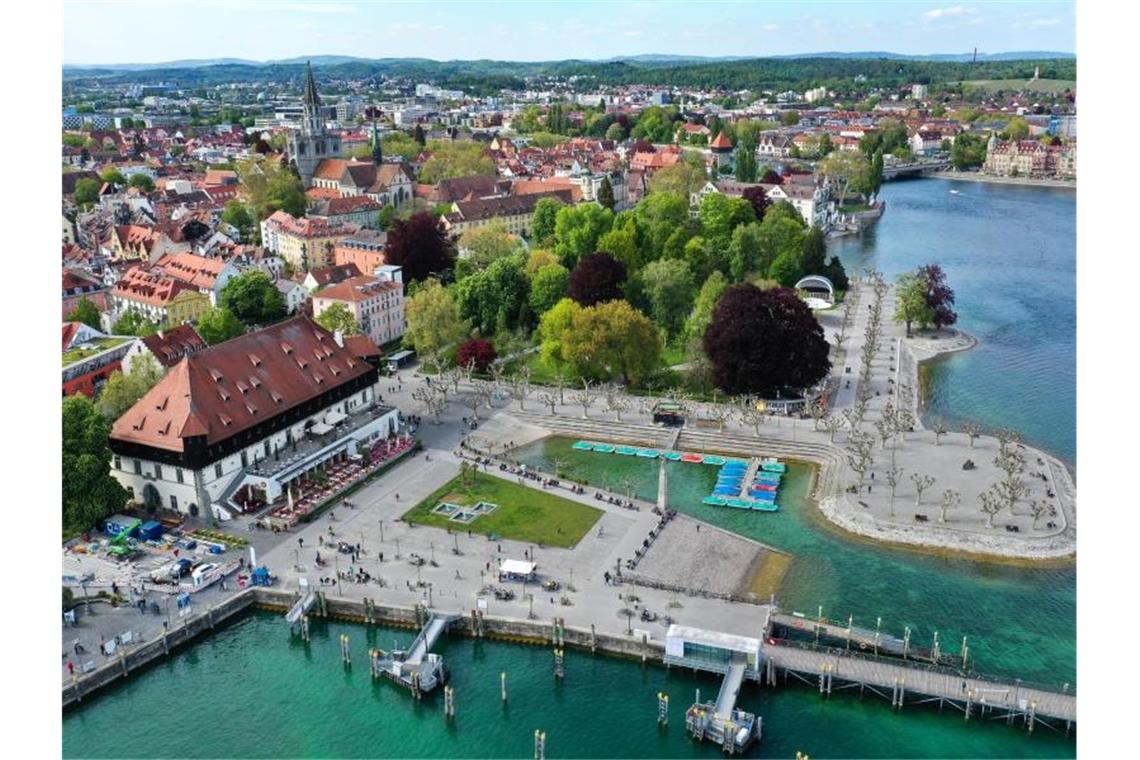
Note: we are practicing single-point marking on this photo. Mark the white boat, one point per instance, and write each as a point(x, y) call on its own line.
point(954, 192)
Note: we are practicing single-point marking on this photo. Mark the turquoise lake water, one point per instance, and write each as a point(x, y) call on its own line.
point(251, 691)
point(1010, 254)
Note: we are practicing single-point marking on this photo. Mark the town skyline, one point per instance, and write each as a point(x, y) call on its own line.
point(283, 29)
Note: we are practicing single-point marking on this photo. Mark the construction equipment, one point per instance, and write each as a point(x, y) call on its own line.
point(122, 545)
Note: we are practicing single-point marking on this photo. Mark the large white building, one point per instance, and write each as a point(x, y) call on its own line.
point(246, 419)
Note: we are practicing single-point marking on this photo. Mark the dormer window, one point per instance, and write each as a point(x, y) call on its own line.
point(250, 408)
point(275, 396)
point(254, 382)
point(242, 387)
point(255, 360)
point(225, 420)
point(288, 349)
point(216, 375)
point(139, 425)
point(302, 363)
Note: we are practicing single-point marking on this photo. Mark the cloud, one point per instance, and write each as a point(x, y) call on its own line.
point(957, 11)
point(416, 26)
point(771, 27)
point(1045, 22)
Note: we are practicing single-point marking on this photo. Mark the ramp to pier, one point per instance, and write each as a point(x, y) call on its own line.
point(730, 688)
point(427, 637)
point(300, 608)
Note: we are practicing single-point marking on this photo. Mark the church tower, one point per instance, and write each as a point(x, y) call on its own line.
point(311, 144)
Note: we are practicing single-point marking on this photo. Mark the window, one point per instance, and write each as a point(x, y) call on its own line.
point(138, 467)
point(218, 470)
point(130, 493)
point(174, 502)
point(178, 474)
point(244, 460)
point(158, 471)
point(265, 446)
point(118, 463)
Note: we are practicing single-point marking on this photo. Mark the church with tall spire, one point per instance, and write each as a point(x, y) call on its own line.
point(311, 144)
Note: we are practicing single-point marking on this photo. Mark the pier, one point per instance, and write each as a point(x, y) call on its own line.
point(416, 668)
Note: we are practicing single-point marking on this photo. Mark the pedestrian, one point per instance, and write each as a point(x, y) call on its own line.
point(397, 496)
point(381, 556)
point(70, 668)
point(300, 542)
point(698, 527)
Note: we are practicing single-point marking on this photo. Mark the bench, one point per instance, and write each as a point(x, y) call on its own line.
point(921, 518)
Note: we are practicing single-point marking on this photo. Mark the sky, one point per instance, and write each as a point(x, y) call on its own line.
point(133, 31)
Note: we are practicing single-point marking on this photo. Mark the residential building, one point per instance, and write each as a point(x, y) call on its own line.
point(208, 275)
point(367, 250)
point(304, 243)
point(324, 276)
point(774, 145)
point(79, 285)
point(294, 293)
point(360, 211)
point(386, 183)
point(248, 419)
point(159, 297)
point(166, 347)
point(377, 303)
point(514, 211)
point(89, 357)
point(919, 91)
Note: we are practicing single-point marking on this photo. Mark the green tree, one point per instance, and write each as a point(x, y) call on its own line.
point(670, 287)
point(682, 179)
point(253, 298)
point(612, 340)
point(455, 159)
point(134, 323)
point(785, 269)
point(554, 327)
point(536, 260)
point(218, 324)
point(89, 492)
point(548, 287)
point(266, 186)
point(1017, 128)
point(123, 390)
point(813, 258)
point(701, 315)
point(482, 246)
point(746, 165)
point(876, 178)
point(434, 323)
point(338, 317)
point(615, 132)
point(622, 244)
point(577, 229)
point(849, 170)
point(720, 215)
point(236, 214)
point(658, 216)
point(496, 298)
point(910, 304)
point(399, 144)
point(85, 312)
point(142, 182)
point(543, 222)
point(968, 151)
point(790, 118)
point(86, 192)
point(745, 250)
point(113, 177)
point(606, 194)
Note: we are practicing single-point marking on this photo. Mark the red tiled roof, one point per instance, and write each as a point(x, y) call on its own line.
point(361, 345)
point(150, 287)
point(169, 346)
point(356, 289)
point(198, 271)
point(222, 390)
point(721, 142)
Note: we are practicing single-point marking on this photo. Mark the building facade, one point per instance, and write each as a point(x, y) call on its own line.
point(377, 303)
point(311, 144)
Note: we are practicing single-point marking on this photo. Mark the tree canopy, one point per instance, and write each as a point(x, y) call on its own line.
point(89, 492)
point(670, 287)
point(218, 324)
point(253, 298)
point(765, 342)
point(610, 341)
point(85, 312)
point(548, 286)
point(598, 277)
point(336, 317)
point(455, 159)
point(543, 221)
point(496, 298)
point(420, 245)
point(434, 323)
point(134, 323)
point(123, 390)
point(577, 229)
point(476, 352)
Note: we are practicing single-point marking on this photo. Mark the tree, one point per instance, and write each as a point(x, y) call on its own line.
point(253, 298)
point(548, 287)
point(123, 390)
point(894, 477)
point(338, 317)
point(89, 492)
point(113, 177)
point(850, 169)
point(746, 166)
point(455, 159)
point(134, 323)
point(744, 251)
point(921, 483)
point(1017, 128)
point(813, 257)
point(834, 271)
point(972, 431)
point(542, 223)
point(950, 499)
point(790, 119)
point(622, 245)
point(85, 312)
point(483, 245)
point(418, 135)
point(577, 229)
point(266, 186)
point(990, 505)
point(671, 289)
point(236, 215)
point(399, 144)
point(553, 328)
point(615, 132)
point(658, 217)
point(759, 200)
point(968, 151)
point(476, 353)
point(765, 342)
point(785, 269)
point(598, 277)
point(939, 296)
point(218, 324)
point(606, 194)
point(876, 179)
point(420, 245)
point(701, 315)
point(496, 298)
point(142, 182)
point(612, 341)
point(681, 178)
point(720, 215)
point(86, 192)
point(910, 304)
point(434, 323)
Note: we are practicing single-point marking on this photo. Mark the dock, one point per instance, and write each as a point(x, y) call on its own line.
point(416, 668)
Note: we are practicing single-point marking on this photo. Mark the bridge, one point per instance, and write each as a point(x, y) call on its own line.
point(914, 169)
point(415, 668)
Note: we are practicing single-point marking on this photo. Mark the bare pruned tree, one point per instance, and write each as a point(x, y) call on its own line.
point(817, 408)
point(548, 399)
point(940, 429)
point(832, 425)
point(894, 477)
point(904, 421)
point(859, 453)
point(853, 419)
point(453, 375)
point(616, 401)
point(921, 483)
point(468, 370)
point(520, 387)
point(950, 499)
point(718, 413)
point(749, 414)
point(972, 431)
point(990, 505)
point(433, 398)
point(561, 380)
point(886, 425)
point(584, 398)
point(1038, 509)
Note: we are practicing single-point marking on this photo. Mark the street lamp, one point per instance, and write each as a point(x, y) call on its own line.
point(336, 560)
point(381, 531)
point(397, 548)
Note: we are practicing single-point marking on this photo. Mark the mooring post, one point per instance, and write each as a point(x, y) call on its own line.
point(934, 649)
point(895, 693)
point(1031, 716)
point(503, 684)
point(644, 648)
point(969, 703)
point(539, 745)
point(662, 708)
point(878, 625)
point(822, 670)
point(593, 639)
point(123, 661)
point(850, 619)
point(305, 628)
point(965, 652)
point(448, 702)
point(906, 641)
point(559, 664)
point(902, 691)
point(345, 657)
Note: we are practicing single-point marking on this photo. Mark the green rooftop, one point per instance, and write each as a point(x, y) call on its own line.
point(91, 348)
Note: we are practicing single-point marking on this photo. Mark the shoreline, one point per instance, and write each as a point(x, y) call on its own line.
point(995, 180)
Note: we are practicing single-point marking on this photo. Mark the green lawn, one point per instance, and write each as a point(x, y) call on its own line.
point(99, 345)
point(523, 514)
